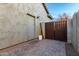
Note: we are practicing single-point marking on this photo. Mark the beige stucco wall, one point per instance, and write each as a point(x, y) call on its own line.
point(42, 18)
point(77, 16)
point(69, 31)
point(75, 31)
point(16, 26)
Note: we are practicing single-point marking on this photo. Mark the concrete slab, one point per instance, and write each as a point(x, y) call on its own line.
point(37, 48)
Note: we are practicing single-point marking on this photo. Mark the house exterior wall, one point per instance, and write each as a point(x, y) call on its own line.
point(16, 26)
point(75, 31)
point(42, 18)
point(77, 16)
point(69, 31)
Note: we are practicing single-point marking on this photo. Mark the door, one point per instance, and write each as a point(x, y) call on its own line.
point(61, 31)
point(49, 30)
point(56, 30)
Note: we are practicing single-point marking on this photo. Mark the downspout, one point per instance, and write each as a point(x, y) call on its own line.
point(35, 27)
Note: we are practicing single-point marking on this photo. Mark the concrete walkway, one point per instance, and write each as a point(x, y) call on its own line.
point(70, 51)
point(36, 48)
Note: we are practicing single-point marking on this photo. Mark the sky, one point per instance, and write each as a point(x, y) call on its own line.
point(56, 9)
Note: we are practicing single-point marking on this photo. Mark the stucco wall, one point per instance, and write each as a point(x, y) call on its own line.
point(69, 31)
point(42, 18)
point(77, 16)
point(75, 31)
point(16, 26)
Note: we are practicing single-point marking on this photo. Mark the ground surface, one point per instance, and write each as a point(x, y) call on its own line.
point(70, 51)
point(37, 48)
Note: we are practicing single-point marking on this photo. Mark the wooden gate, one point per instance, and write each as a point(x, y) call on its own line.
point(56, 30)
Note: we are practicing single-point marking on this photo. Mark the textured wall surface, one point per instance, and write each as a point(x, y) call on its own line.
point(77, 16)
point(16, 26)
point(75, 31)
point(69, 31)
point(40, 11)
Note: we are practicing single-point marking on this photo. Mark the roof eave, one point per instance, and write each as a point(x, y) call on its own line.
point(46, 9)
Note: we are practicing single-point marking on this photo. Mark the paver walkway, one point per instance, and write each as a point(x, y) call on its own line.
point(37, 48)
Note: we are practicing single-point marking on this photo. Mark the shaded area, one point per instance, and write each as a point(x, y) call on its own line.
point(70, 50)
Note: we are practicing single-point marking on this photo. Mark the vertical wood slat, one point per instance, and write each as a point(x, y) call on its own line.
point(56, 30)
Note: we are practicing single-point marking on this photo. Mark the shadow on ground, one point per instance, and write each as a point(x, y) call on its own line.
point(70, 50)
